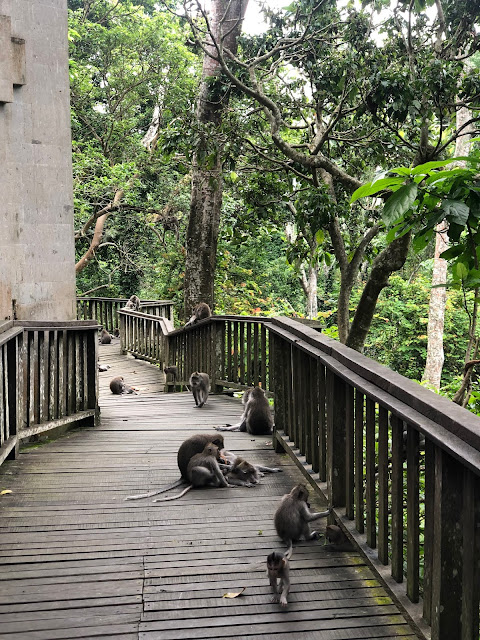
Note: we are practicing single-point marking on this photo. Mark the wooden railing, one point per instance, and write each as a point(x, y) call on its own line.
point(49, 378)
point(399, 464)
point(105, 310)
point(144, 335)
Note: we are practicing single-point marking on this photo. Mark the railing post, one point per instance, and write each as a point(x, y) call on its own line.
point(279, 371)
point(447, 555)
point(123, 335)
point(15, 391)
point(218, 343)
point(336, 439)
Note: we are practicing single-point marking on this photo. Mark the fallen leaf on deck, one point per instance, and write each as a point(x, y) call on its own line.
point(5, 491)
point(233, 595)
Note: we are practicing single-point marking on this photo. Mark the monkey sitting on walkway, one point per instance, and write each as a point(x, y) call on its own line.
point(257, 416)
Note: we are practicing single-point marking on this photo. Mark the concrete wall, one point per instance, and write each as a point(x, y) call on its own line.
point(37, 260)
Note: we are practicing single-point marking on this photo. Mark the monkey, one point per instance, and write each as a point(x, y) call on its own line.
point(337, 539)
point(200, 384)
point(133, 303)
point(231, 459)
point(118, 386)
point(116, 332)
point(278, 571)
point(243, 474)
point(201, 311)
point(189, 447)
point(202, 471)
point(293, 515)
point(173, 370)
point(257, 416)
point(105, 337)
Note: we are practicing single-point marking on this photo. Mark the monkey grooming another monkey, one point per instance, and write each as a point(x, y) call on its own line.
point(200, 385)
point(133, 303)
point(105, 337)
point(278, 571)
point(189, 447)
point(118, 386)
point(201, 311)
point(257, 416)
point(202, 471)
point(293, 515)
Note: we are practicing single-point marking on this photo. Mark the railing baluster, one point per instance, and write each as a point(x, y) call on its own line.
point(359, 421)
point(383, 485)
point(370, 497)
point(336, 459)
point(350, 452)
point(397, 499)
point(413, 525)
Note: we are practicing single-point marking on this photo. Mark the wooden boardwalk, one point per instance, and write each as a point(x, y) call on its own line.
point(77, 561)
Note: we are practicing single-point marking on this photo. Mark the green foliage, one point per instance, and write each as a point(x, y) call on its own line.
point(428, 196)
point(127, 58)
point(398, 336)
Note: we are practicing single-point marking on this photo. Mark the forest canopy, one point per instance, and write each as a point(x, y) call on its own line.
point(327, 146)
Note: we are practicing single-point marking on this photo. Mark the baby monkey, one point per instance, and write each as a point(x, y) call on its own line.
point(278, 571)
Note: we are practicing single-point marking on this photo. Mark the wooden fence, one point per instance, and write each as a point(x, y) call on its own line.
point(399, 464)
point(48, 378)
point(105, 310)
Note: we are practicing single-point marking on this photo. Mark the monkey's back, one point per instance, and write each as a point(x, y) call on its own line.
point(259, 420)
point(287, 520)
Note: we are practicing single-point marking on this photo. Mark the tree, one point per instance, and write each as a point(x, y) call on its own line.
point(330, 95)
point(120, 54)
point(223, 27)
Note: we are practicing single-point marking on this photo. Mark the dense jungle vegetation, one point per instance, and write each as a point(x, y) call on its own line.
point(329, 97)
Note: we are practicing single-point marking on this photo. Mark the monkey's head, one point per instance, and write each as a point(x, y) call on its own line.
point(300, 492)
point(246, 395)
point(202, 310)
point(257, 392)
point(218, 441)
point(275, 564)
point(245, 471)
point(211, 450)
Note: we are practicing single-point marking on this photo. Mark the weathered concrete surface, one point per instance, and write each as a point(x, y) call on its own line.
point(37, 261)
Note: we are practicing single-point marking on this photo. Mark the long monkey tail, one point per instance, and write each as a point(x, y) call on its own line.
point(289, 551)
point(179, 495)
point(175, 484)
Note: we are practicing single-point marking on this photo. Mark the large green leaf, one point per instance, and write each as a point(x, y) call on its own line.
point(371, 188)
point(452, 252)
point(428, 166)
point(456, 211)
point(399, 203)
point(443, 175)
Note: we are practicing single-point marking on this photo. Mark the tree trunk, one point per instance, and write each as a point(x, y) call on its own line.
point(436, 312)
point(391, 259)
point(438, 295)
point(309, 285)
point(98, 232)
point(207, 186)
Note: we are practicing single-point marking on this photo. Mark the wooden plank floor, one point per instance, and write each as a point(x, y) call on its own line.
point(77, 561)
